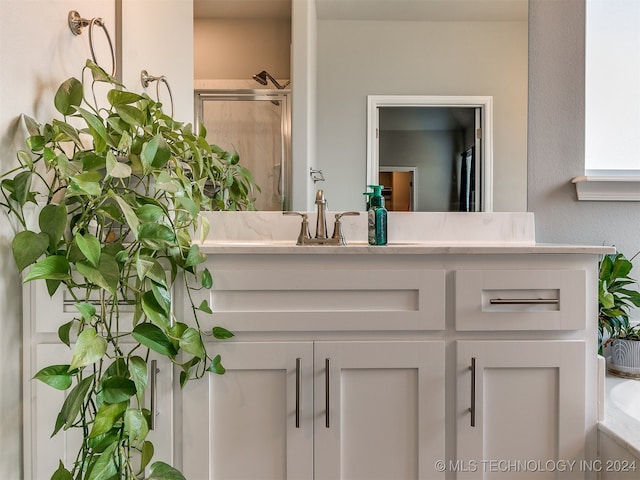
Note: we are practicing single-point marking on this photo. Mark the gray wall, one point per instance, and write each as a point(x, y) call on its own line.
point(556, 136)
point(360, 58)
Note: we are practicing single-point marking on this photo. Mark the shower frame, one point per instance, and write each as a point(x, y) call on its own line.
point(248, 95)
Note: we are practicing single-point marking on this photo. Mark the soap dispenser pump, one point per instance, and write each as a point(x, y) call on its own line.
point(377, 217)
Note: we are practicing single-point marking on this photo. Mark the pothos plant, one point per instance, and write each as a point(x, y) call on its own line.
point(617, 295)
point(106, 201)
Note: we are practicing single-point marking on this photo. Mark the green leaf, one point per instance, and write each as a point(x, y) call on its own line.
point(139, 375)
point(27, 247)
point(87, 183)
point(204, 307)
point(61, 473)
point(115, 168)
point(55, 267)
point(89, 245)
point(105, 276)
point(53, 221)
point(33, 127)
point(64, 331)
point(146, 454)
point(105, 467)
point(156, 152)
point(216, 366)
point(150, 213)
point(135, 425)
point(89, 348)
point(56, 376)
point(68, 96)
point(108, 414)
point(148, 267)
point(97, 130)
point(195, 257)
point(221, 333)
point(72, 404)
point(21, 187)
point(156, 235)
point(132, 115)
point(154, 311)
point(162, 471)
point(117, 389)
point(206, 280)
point(151, 336)
point(162, 296)
point(129, 214)
point(191, 342)
point(87, 310)
point(122, 97)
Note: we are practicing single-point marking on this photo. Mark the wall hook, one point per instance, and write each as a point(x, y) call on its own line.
point(77, 23)
point(146, 79)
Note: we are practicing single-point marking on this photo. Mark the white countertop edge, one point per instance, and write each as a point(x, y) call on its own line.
point(409, 248)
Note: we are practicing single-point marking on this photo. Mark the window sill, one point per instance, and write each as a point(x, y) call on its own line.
point(608, 188)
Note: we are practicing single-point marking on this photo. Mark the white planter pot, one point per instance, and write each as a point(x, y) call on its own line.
point(625, 358)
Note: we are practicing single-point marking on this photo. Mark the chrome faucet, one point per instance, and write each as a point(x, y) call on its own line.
point(321, 221)
point(321, 238)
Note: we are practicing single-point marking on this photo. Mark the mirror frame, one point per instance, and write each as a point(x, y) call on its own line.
point(375, 102)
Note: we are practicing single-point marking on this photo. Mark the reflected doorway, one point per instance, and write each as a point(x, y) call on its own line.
point(399, 188)
point(448, 140)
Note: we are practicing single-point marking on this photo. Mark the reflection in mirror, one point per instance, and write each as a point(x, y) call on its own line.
point(431, 153)
point(257, 125)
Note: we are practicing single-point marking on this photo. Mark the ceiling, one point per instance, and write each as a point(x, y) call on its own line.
point(419, 10)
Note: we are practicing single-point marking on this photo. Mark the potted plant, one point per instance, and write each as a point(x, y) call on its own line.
point(616, 296)
point(106, 201)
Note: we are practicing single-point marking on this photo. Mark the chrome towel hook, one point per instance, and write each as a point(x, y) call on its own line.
point(146, 79)
point(77, 23)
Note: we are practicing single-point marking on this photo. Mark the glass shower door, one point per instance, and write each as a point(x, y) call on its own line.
point(257, 125)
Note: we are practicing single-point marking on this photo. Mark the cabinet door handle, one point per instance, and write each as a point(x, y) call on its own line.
point(327, 416)
point(298, 369)
point(524, 301)
point(472, 409)
point(153, 386)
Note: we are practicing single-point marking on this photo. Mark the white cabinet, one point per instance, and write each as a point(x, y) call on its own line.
point(256, 420)
point(520, 407)
point(324, 410)
point(379, 410)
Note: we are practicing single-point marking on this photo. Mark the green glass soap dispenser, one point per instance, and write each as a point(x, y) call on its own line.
point(377, 217)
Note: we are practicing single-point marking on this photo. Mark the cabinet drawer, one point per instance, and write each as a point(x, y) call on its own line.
point(326, 300)
point(520, 299)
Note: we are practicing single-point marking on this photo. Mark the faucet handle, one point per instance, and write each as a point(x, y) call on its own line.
point(304, 227)
point(337, 226)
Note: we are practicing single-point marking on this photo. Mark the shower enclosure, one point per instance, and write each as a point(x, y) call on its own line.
point(257, 125)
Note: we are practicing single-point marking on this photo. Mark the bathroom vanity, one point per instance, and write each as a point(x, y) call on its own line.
point(445, 354)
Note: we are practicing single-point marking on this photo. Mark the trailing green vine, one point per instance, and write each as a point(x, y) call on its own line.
point(116, 194)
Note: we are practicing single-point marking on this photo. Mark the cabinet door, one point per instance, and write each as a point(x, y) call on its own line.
point(379, 410)
point(520, 408)
point(255, 421)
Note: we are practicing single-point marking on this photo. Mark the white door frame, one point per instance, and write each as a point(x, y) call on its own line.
point(485, 103)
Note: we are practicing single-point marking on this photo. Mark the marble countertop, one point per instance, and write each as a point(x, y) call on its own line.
point(409, 233)
point(401, 248)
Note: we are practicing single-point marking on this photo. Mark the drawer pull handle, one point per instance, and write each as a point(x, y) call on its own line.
point(153, 387)
point(298, 368)
point(524, 301)
point(327, 416)
point(472, 409)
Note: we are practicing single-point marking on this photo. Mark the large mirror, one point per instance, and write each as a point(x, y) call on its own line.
point(381, 47)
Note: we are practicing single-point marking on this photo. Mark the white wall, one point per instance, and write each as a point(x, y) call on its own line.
point(37, 53)
point(557, 136)
point(360, 58)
